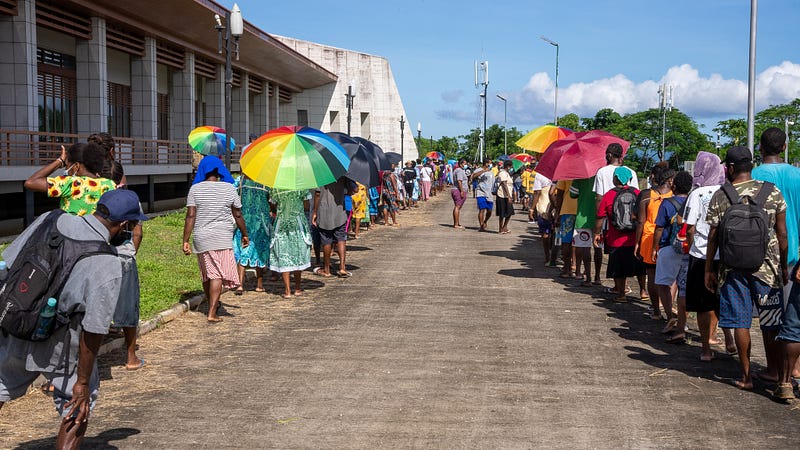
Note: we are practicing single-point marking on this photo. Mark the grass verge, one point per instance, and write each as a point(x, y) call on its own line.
point(166, 275)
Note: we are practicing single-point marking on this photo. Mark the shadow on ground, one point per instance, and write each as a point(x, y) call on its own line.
point(101, 441)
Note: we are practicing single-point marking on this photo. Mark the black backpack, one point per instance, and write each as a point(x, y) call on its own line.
point(622, 210)
point(39, 272)
point(744, 230)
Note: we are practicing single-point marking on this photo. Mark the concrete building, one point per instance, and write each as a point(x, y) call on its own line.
point(69, 68)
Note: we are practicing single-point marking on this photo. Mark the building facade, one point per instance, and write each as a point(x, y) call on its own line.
point(147, 73)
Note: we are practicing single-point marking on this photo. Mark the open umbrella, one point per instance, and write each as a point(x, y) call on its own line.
point(538, 139)
point(435, 155)
point(394, 157)
point(208, 140)
point(377, 152)
point(524, 157)
point(517, 164)
point(503, 158)
point(363, 166)
point(577, 156)
point(294, 158)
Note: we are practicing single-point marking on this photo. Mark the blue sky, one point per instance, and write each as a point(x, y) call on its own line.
point(612, 54)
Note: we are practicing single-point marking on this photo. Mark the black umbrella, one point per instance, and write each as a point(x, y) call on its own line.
point(363, 165)
point(393, 157)
point(378, 154)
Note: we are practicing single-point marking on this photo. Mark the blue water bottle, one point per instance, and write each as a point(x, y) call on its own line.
point(45, 321)
point(3, 271)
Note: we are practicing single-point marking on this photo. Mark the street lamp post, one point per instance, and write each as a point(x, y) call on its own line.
point(233, 28)
point(505, 127)
point(419, 138)
point(349, 95)
point(402, 129)
point(786, 123)
point(555, 107)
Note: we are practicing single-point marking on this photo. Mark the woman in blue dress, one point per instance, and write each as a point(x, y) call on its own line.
point(290, 247)
point(255, 209)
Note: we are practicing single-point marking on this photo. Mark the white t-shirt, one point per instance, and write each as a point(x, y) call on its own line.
point(696, 209)
point(543, 184)
point(604, 181)
point(425, 173)
point(540, 182)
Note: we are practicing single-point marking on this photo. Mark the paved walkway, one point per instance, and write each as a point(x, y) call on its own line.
point(442, 338)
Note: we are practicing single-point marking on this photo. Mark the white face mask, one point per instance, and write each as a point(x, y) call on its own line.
point(490, 166)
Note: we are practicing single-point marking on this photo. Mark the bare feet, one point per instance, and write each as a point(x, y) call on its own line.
point(744, 384)
point(214, 319)
point(285, 295)
point(299, 292)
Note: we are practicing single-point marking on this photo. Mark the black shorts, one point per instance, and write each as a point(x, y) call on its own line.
point(338, 234)
point(622, 263)
point(698, 298)
point(503, 207)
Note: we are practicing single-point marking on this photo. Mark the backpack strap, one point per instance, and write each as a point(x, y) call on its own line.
point(763, 193)
point(674, 203)
point(731, 193)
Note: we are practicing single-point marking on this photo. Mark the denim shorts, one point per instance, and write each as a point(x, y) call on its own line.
point(545, 226)
point(566, 227)
point(671, 267)
point(790, 330)
point(739, 294)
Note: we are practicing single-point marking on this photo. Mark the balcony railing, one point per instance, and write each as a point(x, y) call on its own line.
point(34, 148)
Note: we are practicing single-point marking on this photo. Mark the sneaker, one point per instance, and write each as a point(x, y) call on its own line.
point(531, 221)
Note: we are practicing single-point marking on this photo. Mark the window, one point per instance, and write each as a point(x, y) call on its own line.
point(163, 117)
point(334, 118)
point(365, 125)
point(56, 93)
point(302, 117)
point(119, 110)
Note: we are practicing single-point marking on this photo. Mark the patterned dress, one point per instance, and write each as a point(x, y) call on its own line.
point(360, 202)
point(255, 210)
point(290, 247)
point(79, 195)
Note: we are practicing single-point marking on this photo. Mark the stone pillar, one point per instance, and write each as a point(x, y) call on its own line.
point(274, 107)
point(215, 99)
point(261, 122)
point(240, 108)
point(182, 100)
point(92, 80)
point(18, 103)
point(144, 93)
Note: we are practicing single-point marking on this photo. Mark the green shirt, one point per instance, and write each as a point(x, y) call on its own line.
point(586, 214)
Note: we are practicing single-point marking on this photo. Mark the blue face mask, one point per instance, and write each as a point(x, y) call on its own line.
point(490, 166)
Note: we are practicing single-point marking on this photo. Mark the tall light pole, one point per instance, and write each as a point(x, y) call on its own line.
point(555, 107)
point(233, 30)
point(419, 138)
point(350, 95)
point(665, 104)
point(483, 67)
point(402, 130)
point(505, 127)
point(751, 79)
point(786, 123)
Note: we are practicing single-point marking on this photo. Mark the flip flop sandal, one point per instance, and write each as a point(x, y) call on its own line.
point(344, 274)
point(136, 367)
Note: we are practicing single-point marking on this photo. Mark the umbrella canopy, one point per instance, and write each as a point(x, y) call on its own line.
point(503, 158)
point(538, 139)
point(208, 140)
point(517, 164)
point(377, 152)
point(394, 157)
point(524, 157)
point(577, 156)
point(363, 166)
point(435, 155)
point(294, 158)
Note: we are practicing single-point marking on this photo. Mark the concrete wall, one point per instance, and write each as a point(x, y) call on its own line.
point(376, 96)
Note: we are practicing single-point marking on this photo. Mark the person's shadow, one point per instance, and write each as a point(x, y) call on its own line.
point(101, 441)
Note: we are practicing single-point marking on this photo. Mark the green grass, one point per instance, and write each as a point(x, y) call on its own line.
point(166, 275)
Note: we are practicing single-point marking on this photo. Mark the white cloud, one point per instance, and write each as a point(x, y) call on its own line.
point(700, 97)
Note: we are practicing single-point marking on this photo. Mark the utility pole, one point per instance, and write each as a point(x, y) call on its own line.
point(482, 67)
point(665, 104)
point(402, 129)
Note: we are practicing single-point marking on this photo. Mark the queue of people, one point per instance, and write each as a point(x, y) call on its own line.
point(721, 242)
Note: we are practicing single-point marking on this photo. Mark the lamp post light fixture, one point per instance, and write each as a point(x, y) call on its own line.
point(786, 123)
point(419, 138)
point(402, 129)
point(229, 32)
point(555, 107)
point(351, 93)
point(505, 127)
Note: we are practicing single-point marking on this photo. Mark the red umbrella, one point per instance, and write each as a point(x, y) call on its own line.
point(578, 155)
point(524, 157)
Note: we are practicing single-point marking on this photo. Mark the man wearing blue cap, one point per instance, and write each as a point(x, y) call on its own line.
point(67, 358)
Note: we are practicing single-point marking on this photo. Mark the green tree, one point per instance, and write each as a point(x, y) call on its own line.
point(605, 119)
point(733, 130)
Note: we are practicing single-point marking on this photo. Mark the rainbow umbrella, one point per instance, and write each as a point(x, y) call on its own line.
point(294, 158)
point(538, 139)
point(524, 157)
point(208, 140)
point(435, 155)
